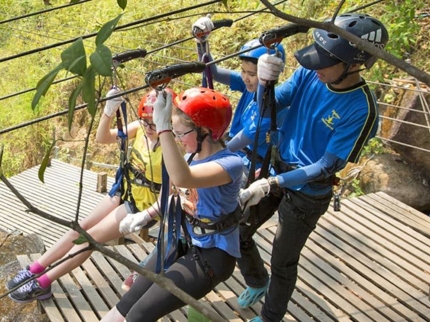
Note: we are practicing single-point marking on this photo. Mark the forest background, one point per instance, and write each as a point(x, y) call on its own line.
point(25, 146)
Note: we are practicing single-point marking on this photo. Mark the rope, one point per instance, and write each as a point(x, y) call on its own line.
point(78, 107)
point(156, 50)
point(43, 11)
point(37, 50)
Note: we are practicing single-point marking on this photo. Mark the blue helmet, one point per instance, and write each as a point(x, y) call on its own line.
point(254, 54)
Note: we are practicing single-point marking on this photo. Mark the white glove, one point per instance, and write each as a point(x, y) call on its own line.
point(134, 222)
point(162, 115)
point(113, 104)
point(202, 28)
point(252, 195)
point(269, 68)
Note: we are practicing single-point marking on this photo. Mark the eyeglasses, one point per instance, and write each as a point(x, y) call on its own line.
point(152, 126)
point(180, 136)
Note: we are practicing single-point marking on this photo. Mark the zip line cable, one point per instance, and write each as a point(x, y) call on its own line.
point(36, 50)
point(78, 107)
point(149, 52)
point(43, 11)
point(34, 88)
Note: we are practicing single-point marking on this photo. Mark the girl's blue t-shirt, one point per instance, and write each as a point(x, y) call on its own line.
point(214, 202)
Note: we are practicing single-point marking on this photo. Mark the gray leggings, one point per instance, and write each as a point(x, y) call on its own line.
point(146, 301)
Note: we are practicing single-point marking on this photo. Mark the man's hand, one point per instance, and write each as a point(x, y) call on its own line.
point(252, 195)
point(202, 28)
point(134, 222)
point(162, 116)
point(113, 104)
point(269, 68)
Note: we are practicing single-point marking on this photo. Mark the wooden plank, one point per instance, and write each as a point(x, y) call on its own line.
point(392, 271)
point(341, 273)
point(407, 215)
point(124, 272)
point(48, 306)
point(386, 222)
point(78, 301)
point(101, 283)
point(389, 247)
point(96, 302)
point(103, 266)
point(358, 261)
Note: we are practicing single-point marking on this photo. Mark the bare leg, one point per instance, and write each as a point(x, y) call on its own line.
point(65, 243)
point(104, 231)
point(113, 316)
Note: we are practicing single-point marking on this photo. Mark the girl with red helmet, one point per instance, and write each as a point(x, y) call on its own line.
point(143, 169)
point(211, 182)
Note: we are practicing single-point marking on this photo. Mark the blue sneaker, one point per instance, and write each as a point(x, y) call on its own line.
point(251, 296)
point(256, 319)
point(22, 276)
point(30, 292)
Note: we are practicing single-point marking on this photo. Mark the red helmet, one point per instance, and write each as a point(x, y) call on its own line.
point(145, 109)
point(207, 108)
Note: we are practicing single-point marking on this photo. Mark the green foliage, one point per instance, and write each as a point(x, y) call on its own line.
point(24, 147)
point(356, 190)
point(403, 28)
point(374, 146)
point(80, 240)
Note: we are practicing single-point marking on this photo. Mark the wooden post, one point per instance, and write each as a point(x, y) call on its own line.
point(144, 234)
point(101, 182)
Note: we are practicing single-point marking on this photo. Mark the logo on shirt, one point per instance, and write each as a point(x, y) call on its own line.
point(329, 120)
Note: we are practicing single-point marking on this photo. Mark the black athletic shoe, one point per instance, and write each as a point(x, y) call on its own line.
point(30, 292)
point(22, 276)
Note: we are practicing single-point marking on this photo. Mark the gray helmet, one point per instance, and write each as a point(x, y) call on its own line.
point(330, 49)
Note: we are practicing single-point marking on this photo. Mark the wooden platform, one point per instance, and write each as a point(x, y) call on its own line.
point(368, 262)
point(58, 196)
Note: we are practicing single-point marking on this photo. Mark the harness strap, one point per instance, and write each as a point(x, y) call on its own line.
point(249, 155)
point(197, 256)
point(141, 180)
point(122, 138)
point(207, 227)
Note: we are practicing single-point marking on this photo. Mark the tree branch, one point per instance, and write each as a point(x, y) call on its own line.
point(360, 43)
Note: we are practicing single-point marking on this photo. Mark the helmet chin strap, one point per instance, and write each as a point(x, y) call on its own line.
point(345, 73)
point(200, 138)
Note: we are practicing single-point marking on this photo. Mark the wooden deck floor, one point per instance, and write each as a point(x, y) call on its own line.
point(368, 262)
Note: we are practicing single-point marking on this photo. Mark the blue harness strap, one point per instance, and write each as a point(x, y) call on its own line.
point(122, 136)
point(172, 213)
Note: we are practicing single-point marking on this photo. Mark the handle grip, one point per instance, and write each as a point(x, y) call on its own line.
point(161, 77)
point(222, 23)
point(129, 55)
point(276, 35)
point(203, 35)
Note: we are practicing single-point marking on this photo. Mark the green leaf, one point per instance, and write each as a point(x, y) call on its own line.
point(89, 90)
point(45, 162)
point(74, 58)
point(106, 30)
point(72, 105)
point(101, 60)
point(122, 4)
point(44, 84)
point(80, 240)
